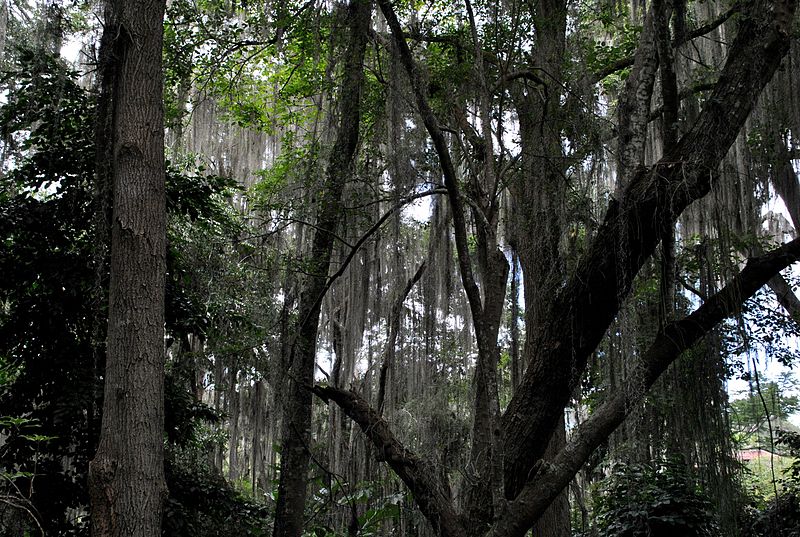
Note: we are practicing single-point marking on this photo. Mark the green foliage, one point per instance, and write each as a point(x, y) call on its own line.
point(50, 374)
point(203, 504)
point(262, 66)
point(613, 38)
point(379, 509)
point(749, 415)
point(291, 167)
point(198, 196)
point(658, 499)
point(370, 508)
point(46, 254)
point(791, 441)
point(781, 517)
point(17, 512)
point(185, 416)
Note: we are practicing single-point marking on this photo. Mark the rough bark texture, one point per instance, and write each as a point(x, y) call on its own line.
point(126, 479)
point(547, 479)
point(587, 304)
point(634, 103)
point(108, 66)
point(483, 494)
point(539, 200)
point(572, 326)
point(784, 180)
point(297, 427)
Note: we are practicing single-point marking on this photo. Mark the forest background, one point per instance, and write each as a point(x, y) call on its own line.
point(426, 268)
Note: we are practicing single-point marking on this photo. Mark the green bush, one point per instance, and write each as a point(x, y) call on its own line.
point(657, 499)
point(781, 516)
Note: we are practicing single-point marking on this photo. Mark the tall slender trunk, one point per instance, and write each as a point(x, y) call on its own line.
point(258, 426)
point(126, 480)
point(297, 421)
point(234, 408)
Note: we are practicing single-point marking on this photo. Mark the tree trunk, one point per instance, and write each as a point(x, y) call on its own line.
point(555, 521)
point(297, 420)
point(234, 407)
point(654, 197)
point(576, 319)
point(258, 426)
point(126, 480)
point(539, 209)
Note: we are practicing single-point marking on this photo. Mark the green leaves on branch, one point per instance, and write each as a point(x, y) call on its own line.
point(658, 499)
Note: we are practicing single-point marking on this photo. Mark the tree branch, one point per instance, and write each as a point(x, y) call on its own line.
point(627, 61)
point(394, 328)
point(355, 248)
point(548, 480)
point(588, 303)
point(446, 162)
point(420, 476)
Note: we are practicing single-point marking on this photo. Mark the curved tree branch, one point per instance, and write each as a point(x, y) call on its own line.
point(420, 476)
point(655, 197)
point(675, 338)
point(446, 162)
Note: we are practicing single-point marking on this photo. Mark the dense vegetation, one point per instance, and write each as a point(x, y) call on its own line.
point(456, 268)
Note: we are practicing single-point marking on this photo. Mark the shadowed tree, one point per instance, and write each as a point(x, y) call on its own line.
point(295, 455)
point(127, 486)
point(572, 321)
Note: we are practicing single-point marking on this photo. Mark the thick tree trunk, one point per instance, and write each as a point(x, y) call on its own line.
point(539, 197)
point(784, 181)
point(126, 479)
point(587, 304)
point(555, 521)
point(547, 480)
point(583, 309)
point(297, 420)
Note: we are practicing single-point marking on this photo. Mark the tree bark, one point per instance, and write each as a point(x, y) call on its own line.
point(549, 478)
point(486, 307)
point(539, 200)
point(569, 330)
point(126, 480)
point(587, 304)
point(784, 181)
point(297, 421)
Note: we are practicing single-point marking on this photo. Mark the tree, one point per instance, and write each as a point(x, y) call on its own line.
point(566, 137)
point(127, 484)
point(649, 202)
point(764, 410)
point(47, 333)
point(295, 454)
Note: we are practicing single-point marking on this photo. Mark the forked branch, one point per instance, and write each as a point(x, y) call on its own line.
point(549, 479)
